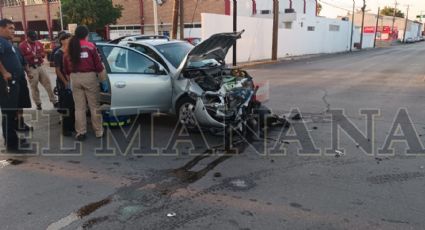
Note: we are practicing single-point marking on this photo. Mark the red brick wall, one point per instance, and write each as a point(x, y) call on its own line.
point(132, 9)
point(33, 13)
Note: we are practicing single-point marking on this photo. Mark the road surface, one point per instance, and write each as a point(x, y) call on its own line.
point(251, 190)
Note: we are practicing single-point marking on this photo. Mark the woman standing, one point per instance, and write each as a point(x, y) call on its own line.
point(66, 101)
point(82, 64)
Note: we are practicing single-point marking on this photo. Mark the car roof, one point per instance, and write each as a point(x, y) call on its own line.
point(139, 37)
point(156, 42)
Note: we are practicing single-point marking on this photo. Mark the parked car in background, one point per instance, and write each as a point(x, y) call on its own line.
point(176, 77)
point(194, 41)
point(95, 38)
point(48, 46)
point(409, 40)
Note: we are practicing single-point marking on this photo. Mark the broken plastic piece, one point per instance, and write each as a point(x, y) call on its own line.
point(171, 214)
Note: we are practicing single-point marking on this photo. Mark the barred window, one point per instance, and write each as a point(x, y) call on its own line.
point(333, 28)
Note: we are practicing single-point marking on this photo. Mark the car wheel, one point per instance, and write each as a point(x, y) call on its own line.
point(186, 113)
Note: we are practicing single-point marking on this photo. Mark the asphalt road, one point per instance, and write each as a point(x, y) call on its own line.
point(101, 189)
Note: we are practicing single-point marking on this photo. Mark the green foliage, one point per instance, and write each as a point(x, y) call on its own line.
point(93, 13)
point(389, 11)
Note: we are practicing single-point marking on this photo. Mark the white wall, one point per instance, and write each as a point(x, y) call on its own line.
point(192, 32)
point(256, 42)
point(297, 5)
point(414, 31)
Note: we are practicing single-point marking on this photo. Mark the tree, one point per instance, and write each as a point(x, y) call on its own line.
point(93, 13)
point(319, 8)
point(389, 11)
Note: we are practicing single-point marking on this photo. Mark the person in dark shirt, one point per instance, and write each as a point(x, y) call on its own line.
point(10, 70)
point(66, 101)
point(24, 99)
point(58, 46)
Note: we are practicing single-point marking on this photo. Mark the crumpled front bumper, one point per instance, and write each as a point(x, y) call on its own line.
point(204, 118)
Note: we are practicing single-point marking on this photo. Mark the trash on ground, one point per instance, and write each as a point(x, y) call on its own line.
point(239, 183)
point(296, 117)
point(339, 154)
point(171, 214)
point(217, 174)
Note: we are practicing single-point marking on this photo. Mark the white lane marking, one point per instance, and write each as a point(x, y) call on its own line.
point(4, 163)
point(62, 223)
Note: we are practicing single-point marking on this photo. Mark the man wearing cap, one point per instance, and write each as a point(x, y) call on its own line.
point(34, 54)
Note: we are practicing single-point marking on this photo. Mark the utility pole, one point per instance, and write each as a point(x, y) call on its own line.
point(362, 32)
point(181, 19)
point(60, 14)
point(405, 24)
point(376, 27)
point(235, 28)
point(352, 26)
point(275, 28)
point(155, 16)
point(175, 19)
point(395, 10)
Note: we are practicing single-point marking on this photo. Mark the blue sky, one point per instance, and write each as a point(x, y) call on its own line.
point(333, 8)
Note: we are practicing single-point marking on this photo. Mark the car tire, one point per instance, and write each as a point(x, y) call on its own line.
point(185, 110)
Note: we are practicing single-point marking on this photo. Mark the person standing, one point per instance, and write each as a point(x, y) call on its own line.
point(66, 101)
point(83, 64)
point(10, 70)
point(24, 99)
point(33, 52)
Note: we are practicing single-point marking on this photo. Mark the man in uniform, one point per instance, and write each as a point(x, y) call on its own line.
point(33, 52)
point(10, 70)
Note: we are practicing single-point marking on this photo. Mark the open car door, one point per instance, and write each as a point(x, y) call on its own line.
point(138, 84)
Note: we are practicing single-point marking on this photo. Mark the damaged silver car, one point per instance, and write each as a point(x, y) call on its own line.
point(174, 77)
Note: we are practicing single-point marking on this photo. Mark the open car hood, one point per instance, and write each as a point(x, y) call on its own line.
point(215, 47)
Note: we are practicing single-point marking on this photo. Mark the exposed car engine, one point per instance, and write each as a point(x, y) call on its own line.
point(225, 91)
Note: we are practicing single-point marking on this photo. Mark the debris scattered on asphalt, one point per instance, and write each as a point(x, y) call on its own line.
point(171, 214)
point(239, 183)
point(339, 154)
point(296, 117)
point(90, 208)
point(277, 121)
point(7, 162)
point(4, 163)
point(217, 174)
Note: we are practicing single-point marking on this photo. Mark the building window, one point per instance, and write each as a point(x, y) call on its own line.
point(192, 25)
point(287, 25)
point(266, 12)
point(310, 28)
point(334, 28)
